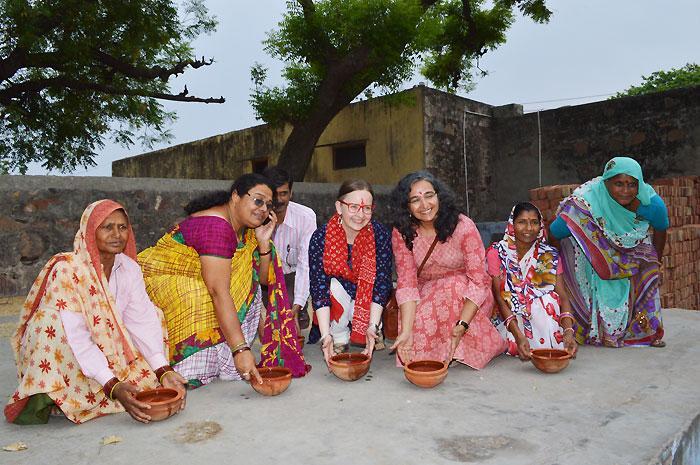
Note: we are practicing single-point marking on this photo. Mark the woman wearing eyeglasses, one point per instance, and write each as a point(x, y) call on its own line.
point(445, 308)
point(350, 271)
point(205, 276)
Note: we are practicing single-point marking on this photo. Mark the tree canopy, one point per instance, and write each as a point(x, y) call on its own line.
point(688, 75)
point(334, 50)
point(74, 71)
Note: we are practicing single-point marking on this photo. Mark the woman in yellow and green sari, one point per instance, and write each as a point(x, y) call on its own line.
point(205, 276)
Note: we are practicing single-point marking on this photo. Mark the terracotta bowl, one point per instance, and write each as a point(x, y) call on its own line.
point(350, 366)
point(164, 402)
point(550, 360)
point(426, 373)
point(300, 340)
point(276, 380)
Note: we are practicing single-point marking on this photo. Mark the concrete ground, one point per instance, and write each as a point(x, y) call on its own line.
point(611, 406)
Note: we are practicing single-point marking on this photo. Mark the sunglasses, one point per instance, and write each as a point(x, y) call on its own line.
point(260, 202)
point(354, 208)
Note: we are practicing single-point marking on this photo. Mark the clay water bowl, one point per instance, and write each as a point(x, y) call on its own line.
point(276, 380)
point(350, 366)
point(550, 360)
point(300, 340)
point(425, 373)
point(164, 402)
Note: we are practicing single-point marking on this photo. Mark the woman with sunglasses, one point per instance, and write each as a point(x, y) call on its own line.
point(445, 309)
point(350, 271)
point(205, 275)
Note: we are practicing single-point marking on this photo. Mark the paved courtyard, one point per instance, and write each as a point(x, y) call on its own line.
point(609, 407)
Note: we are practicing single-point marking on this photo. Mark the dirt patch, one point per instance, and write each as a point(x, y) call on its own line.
point(468, 449)
point(196, 431)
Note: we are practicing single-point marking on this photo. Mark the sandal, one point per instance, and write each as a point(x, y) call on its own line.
point(658, 343)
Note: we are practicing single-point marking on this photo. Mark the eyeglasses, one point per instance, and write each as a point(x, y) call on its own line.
point(415, 200)
point(260, 202)
point(354, 208)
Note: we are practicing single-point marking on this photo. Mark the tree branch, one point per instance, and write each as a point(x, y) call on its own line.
point(144, 72)
point(62, 82)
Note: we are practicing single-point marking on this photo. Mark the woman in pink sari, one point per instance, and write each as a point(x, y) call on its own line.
point(445, 310)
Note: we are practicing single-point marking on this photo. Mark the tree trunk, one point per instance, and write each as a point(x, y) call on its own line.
point(299, 147)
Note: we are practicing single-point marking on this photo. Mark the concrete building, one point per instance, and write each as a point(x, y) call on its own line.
point(506, 152)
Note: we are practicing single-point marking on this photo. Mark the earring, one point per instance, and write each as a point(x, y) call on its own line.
point(340, 220)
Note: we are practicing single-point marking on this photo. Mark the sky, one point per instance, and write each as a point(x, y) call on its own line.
point(589, 50)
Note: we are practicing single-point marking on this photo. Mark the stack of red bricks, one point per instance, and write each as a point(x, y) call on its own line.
point(681, 261)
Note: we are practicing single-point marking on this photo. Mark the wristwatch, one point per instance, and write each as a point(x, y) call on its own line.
point(463, 323)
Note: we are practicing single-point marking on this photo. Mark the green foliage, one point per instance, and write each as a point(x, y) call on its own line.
point(73, 72)
point(659, 81)
point(345, 47)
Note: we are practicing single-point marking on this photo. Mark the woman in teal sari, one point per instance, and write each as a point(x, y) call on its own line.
point(611, 256)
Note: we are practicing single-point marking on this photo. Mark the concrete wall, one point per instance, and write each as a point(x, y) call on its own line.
point(392, 131)
point(662, 131)
point(39, 215)
point(225, 156)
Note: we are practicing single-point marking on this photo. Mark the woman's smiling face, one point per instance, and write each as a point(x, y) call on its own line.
point(423, 202)
point(361, 202)
point(526, 226)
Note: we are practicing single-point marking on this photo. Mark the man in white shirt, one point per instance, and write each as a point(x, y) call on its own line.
point(295, 224)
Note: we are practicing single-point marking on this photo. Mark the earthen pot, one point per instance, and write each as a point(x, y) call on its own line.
point(164, 402)
point(276, 380)
point(425, 373)
point(550, 360)
point(350, 366)
point(300, 340)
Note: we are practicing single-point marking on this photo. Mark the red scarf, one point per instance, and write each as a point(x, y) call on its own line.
point(362, 271)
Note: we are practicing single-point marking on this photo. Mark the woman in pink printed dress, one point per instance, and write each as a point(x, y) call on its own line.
point(445, 310)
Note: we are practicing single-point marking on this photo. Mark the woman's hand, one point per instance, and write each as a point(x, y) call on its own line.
point(570, 344)
point(245, 365)
point(124, 392)
point(457, 333)
point(403, 345)
point(263, 233)
point(523, 347)
point(371, 337)
point(327, 349)
point(174, 380)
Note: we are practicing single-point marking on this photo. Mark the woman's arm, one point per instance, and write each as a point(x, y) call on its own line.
point(263, 234)
point(659, 241)
point(407, 295)
point(566, 323)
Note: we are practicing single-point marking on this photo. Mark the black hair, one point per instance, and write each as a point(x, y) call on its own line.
point(447, 216)
point(525, 207)
point(278, 176)
point(352, 185)
point(240, 186)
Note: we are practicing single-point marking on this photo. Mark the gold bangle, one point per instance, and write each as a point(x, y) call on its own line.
point(160, 380)
point(238, 346)
point(111, 391)
point(570, 329)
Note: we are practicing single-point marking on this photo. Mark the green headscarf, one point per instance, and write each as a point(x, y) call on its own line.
point(610, 298)
point(620, 224)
